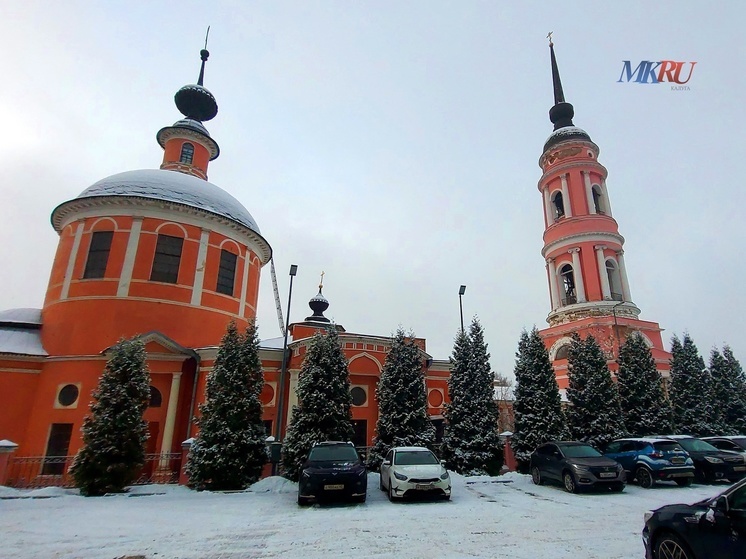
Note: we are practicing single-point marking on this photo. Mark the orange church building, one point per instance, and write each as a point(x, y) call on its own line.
point(588, 285)
point(168, 256)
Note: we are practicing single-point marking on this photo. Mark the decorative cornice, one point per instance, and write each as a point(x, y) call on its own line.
point(562, 168)
point(169, 132)
point(591, 309)
point(77, 208)
point(562, 242)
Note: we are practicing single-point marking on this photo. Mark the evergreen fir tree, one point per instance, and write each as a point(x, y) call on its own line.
point(645, 408)
point(114, 434)
point(324, 410)
point(471, 444)
point(402, 401)
point(595, 414)
point(229, 451)
point(729, 391)
point(690, 390)
point(537, 406)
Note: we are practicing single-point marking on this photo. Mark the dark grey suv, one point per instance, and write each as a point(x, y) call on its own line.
point(575, 465)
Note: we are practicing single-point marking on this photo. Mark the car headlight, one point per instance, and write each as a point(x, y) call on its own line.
point(619, 467)
point(400, 477)
point(362, 472)
point(444, 475)
point(581, 468)
point(306, 474)
point(713, 460)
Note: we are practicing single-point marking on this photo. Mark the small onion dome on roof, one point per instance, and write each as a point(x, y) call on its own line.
point(318, 305)
point(195, 101)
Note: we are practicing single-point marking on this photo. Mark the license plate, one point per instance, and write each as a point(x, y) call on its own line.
point(739, 469)
point(335, 486)
point(607, 474)
point(683, 474)
point(424, 486)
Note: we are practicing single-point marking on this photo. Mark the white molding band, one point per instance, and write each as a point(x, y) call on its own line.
point(576, 238)
point(129, 257)
point(71, 261)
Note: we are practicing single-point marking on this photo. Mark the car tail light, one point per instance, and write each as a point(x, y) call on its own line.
point(656, 455)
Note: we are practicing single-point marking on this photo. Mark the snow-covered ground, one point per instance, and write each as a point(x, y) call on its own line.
point(487, 517)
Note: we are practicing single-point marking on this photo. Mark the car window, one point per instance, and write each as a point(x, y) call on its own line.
point(628, 446)
point(546, 450)
point(414, 458)
point(389, 456)
point(737, 499)
point(580, 451)
point(613, 448)
point(724, 445)
point(668, 446)
point(335, 453)
point(741, 442)
point(695, 445)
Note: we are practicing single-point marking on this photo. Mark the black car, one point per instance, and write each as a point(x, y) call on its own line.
point(710, 529)
point(711, 463)
point(735, 443)
point(333, 471)
point(575, 465)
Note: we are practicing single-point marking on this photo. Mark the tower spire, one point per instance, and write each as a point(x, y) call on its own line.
point(562, 112)
point(204, 54)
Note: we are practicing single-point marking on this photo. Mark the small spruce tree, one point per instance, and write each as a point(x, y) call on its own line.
point(645, 408)
point(471, 444)
point(324, 410)
point(690, 390)
point(537, 406)
point(114, 434)
point(595, 414)
point(402, 401)
point(729, 391)
point(229, 451)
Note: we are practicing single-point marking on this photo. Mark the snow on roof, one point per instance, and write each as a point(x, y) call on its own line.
point(649, 439)
point(173, 186)
point(412, 448)
point(567, 131)
point(21, 341)
point(21, 316)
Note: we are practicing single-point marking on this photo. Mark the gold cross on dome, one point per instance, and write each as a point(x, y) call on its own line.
point(549, 36)
point(321, 283)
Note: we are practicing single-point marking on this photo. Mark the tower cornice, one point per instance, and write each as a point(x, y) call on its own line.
point(577, 238)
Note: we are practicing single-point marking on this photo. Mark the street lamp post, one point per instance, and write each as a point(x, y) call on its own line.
point(284, 368)
point(461, 291)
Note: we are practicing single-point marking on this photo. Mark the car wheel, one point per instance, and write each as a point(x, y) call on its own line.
point(391, 491)
point(618, 487)
point(303, 501)
point(685, 482)
point(569, 481)
point(644, 478)
point(536, 476)
point(670, 546)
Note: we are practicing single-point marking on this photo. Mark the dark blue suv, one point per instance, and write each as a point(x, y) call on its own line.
point(648, 460)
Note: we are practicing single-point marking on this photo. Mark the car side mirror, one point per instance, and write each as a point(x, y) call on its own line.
point(443, 463)
point(720, 504)
point(386, 463)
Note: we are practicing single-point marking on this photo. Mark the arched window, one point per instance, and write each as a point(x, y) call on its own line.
point(558, 205)
point(598, 200)
point(155, 397)
point(187, 153)
point(562, 352)
point(568, 284)
point(615, 283)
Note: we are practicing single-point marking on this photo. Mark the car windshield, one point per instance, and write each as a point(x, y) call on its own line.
point(335, 453)
point(579, 451)
point(696, 445)
point(668, 446)
point(414, 458)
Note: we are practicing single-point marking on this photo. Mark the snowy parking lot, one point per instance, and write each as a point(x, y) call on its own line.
point(492, 517)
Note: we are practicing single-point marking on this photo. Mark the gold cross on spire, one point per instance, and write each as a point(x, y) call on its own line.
point(321, 283)
point(549, 36)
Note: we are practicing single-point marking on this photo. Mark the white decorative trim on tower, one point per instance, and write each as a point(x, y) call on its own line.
point(566, 196)
point(71, 262)
point(606, 198)
point(623, 273)
point(553, 289)
point(578, 274)
point(168, 430)
point(199, 275)
point(245, 283)
point(548, 206)
point(589, 192)
point(130, 254)
point(603, 276)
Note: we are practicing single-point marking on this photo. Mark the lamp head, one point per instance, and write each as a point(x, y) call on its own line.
point(462, 290)
point(293, 269)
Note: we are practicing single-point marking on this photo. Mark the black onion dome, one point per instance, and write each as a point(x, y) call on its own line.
point(318, 305)
point(196, 102)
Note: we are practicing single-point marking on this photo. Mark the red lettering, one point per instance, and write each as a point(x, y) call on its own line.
point(679, 66)
point(667, 70)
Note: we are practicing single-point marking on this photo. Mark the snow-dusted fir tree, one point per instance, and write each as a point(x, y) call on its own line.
point(229, 450)
point(114, 434)
point(537, 407)
point(471, 444)
point(729, 392)
point(402, 401)
point(324, 410)
point(690, 390)
point(645, 408)
point(594, 414)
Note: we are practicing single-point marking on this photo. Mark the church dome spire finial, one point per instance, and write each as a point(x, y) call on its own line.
point(194, 101)
point(562, 112)
point(318, 305)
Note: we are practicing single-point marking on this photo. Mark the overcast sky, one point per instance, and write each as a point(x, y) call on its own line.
point(394, 145)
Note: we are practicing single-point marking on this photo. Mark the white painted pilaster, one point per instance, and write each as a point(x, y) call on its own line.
point(605, 287)
point(130, 254)
point(607, 200)
point(578, 274)
point(589, 192)
point(623, 273)
point(71, 261)
point(199, 276)
point(549, 214)
point(168, 430)
point(244, 282)
point(566, 196)
point(553, 289)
